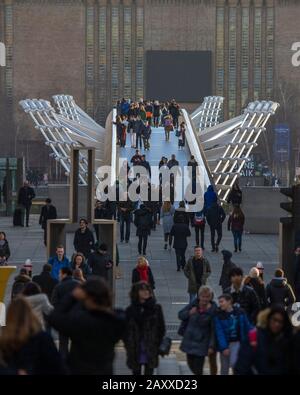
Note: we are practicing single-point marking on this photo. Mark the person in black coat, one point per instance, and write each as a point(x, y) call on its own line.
point(279, 291)
point(145, 329)
point(88, 319)
point(235, 195)
point(60, 292)
point(4, 246)
point(84, 239)
point(24, 347)
point(228, 265)
point(25, 196)
point(267, 351)
point(143, 272)
point(297, 274)
point(19, 283)
point(180, 232)
point(181, 213)
point(100, 261)
point(46, 282)
point(243, 295)
point(215, 217)
point(143, 223)
point(258, 285)
point(48, 212)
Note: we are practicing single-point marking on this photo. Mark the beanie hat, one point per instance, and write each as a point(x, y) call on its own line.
point(226, 254)
point(260, 266)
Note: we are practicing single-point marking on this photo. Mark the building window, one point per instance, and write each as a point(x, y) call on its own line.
point(114, 54)
point(127, 52)
point(245, 57)
point(102, 61)
point(9, 53)
point(232, 62)
point(90, 60)
point(257, 53)
point(269, 52)
point(139, 52)
point(220, 52)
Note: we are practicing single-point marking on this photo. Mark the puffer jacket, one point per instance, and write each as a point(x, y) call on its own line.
point(280, 292)
point(199, 334)
point(223, 323)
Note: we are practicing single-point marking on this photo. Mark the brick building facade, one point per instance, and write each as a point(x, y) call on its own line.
point(95, 50)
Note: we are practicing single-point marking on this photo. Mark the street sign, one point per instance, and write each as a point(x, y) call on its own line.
point(282, 143)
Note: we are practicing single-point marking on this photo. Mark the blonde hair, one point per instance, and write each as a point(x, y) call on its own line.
point(21, 325)
point(205, 289)
point(142, 261)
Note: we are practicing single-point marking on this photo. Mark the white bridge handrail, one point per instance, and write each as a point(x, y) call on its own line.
point(114, 148)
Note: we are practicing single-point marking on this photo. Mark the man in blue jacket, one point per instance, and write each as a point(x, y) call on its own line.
point(58, 262)
point(232, 327)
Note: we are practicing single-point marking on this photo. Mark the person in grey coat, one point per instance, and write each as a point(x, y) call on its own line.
point(199, 334)
point(38, 301)
point(167, 214)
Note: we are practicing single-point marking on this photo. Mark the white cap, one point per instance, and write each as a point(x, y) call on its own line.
point(28, 263)
point(259, 265)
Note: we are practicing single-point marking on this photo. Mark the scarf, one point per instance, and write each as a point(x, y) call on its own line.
point(143, 272)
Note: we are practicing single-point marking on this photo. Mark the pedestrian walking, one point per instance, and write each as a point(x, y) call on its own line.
point(267, 350)
point(79, 262)
point(156, 113)
point(181, 137)
point(19, 283)
point(60, 293)
point(297, 273)
point(198, 335)
point(243, 295)
point(93, 326)
point(125, 209)
point(279, 291)
point(168, 126)
point(257, 284)
point(24, 347)
point(231, 327)
point(215, 216)
point(210, 197)
point(228, 265)
point(58, 261)
point(25, 196)
point(84, 241)
point(38, 301)
point(198, 223)
point(145, 330)
point(143, 223)
point(100, 261)
point(197, 270)
point(180, 231)
point(235, 196)
point(260, 267)
point(236, 223)
point(146, 134)
point(143, 272)
point(4, 247)
point(45, 281)
point(48, 212)
point(167, 213)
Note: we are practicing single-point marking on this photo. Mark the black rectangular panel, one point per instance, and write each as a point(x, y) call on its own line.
point(181, 75)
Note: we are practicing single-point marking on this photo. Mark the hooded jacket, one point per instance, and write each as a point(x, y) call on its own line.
point(210, 197)
point(215, 215)
point(143, 221)
point(280, 292)
point(226, 269)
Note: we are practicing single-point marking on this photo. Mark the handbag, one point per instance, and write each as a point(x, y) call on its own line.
point(165, 346)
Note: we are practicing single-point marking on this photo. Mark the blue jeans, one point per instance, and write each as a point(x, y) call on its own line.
point(237, 238)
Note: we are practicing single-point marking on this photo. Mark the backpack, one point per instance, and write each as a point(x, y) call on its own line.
point(199, 219)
